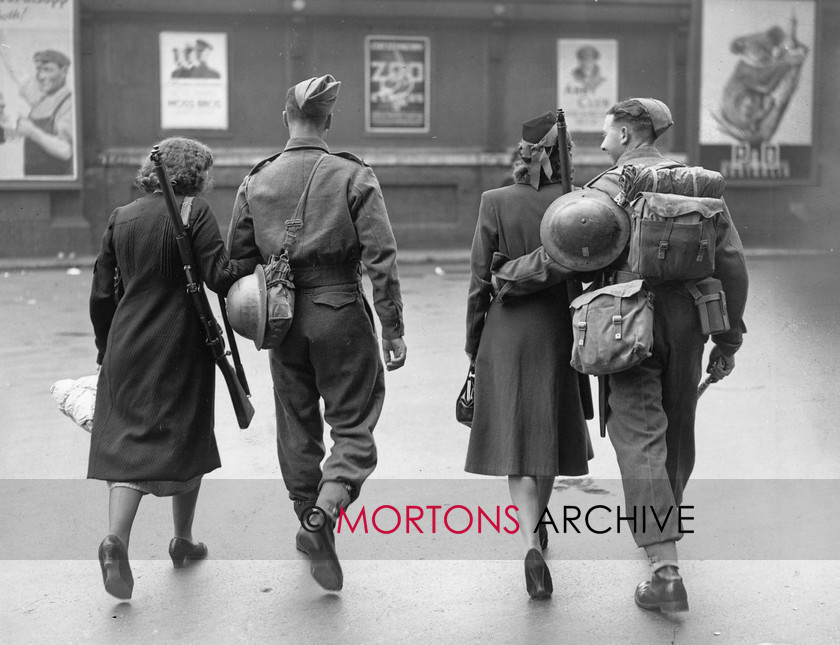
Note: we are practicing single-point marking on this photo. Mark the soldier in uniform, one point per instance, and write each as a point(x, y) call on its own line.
point(649, 409)
point(330, 351)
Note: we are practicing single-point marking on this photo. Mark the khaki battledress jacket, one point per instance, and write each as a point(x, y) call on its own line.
point(345, 222)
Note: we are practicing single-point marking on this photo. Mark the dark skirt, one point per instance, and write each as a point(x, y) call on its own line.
point(528, 418)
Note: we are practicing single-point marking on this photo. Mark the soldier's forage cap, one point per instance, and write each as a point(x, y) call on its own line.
point(51, 56)
point(539, 135)
point(535, 129)
point(316, 96)
point(588, 52)
point(659, 115)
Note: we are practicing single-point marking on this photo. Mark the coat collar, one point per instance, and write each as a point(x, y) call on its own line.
point(301, 143)
point(642, 152)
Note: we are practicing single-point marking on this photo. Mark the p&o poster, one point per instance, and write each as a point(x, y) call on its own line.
point(756, 118)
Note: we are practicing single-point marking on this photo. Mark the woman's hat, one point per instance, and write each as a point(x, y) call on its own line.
point(535, 129)
point(539, 135)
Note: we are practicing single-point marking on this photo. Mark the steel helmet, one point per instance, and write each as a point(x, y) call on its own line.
point(247, 308)
point(584, 230)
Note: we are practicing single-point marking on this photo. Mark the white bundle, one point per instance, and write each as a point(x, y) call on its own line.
point(76, 398)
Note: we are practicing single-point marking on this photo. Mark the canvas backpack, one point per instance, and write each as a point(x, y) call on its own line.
point(673, 211)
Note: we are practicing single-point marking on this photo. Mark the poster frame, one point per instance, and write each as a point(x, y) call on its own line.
point(75, 180)
point(426, 127)
point(223, 64)
point(705, 150)
point(609, 97)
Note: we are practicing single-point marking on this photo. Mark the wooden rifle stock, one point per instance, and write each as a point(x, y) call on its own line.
point(212, 332)
point(566, 183)
point(563, 151)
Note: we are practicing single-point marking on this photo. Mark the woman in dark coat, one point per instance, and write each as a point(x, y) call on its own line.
point(153, 421)
point(528, 422)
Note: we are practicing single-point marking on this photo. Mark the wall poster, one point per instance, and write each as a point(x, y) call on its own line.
point(757, 89)
point(396, 84)
point(587, 81)
point(39, 107)
point(193, 81)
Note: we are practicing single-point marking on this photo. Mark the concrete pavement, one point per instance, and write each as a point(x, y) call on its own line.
point(761, 567)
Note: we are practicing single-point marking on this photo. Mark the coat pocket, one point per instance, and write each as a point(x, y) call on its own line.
point(334, 299)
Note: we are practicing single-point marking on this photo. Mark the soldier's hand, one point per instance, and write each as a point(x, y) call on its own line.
point(394, 352)
point(720, 365)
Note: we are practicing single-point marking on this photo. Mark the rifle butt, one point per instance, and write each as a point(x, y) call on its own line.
point(243, 380)
point(241, 404)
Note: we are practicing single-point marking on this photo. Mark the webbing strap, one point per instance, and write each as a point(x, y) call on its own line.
point(616, 319)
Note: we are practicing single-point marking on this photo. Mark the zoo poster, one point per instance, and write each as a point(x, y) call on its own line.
point(193, 81)
point(587, 81)
point(396, 84)
point(757, 89)
point(39, 107)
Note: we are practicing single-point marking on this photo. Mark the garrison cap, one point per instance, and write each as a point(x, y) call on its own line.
point(51, 56)
point(202, 44)
point(659, 115)
point(316, 96)
point(588, 52)
point(535, 129)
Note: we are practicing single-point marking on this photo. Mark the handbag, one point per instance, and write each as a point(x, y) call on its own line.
point(465, 404)
point(612, 328)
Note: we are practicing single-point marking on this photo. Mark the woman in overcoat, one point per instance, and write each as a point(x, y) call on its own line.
point(153, 422)
point(528, 422)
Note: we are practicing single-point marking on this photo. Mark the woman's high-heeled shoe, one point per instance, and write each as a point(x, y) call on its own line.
point(116, 572)
point(543, 537)
point(537, 575)
point(181, 549)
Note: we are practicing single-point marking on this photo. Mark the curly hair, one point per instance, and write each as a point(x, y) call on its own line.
point(187, 162)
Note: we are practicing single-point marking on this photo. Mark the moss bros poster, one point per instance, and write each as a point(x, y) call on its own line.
point(396, 84)
point(756, 119)
point(39, 138)
point(193, 81)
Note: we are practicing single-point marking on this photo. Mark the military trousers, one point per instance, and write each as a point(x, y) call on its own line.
point(330, 354)
point(650, 419)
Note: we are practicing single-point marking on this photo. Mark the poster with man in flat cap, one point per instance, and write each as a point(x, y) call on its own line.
point(38, 103)
point(587, 81)
point(193, 81)
point(397, 84)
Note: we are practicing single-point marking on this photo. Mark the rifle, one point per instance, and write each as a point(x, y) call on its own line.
point(566, 183)
point(212, 332)
point(563, 152)
point(704, 386)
